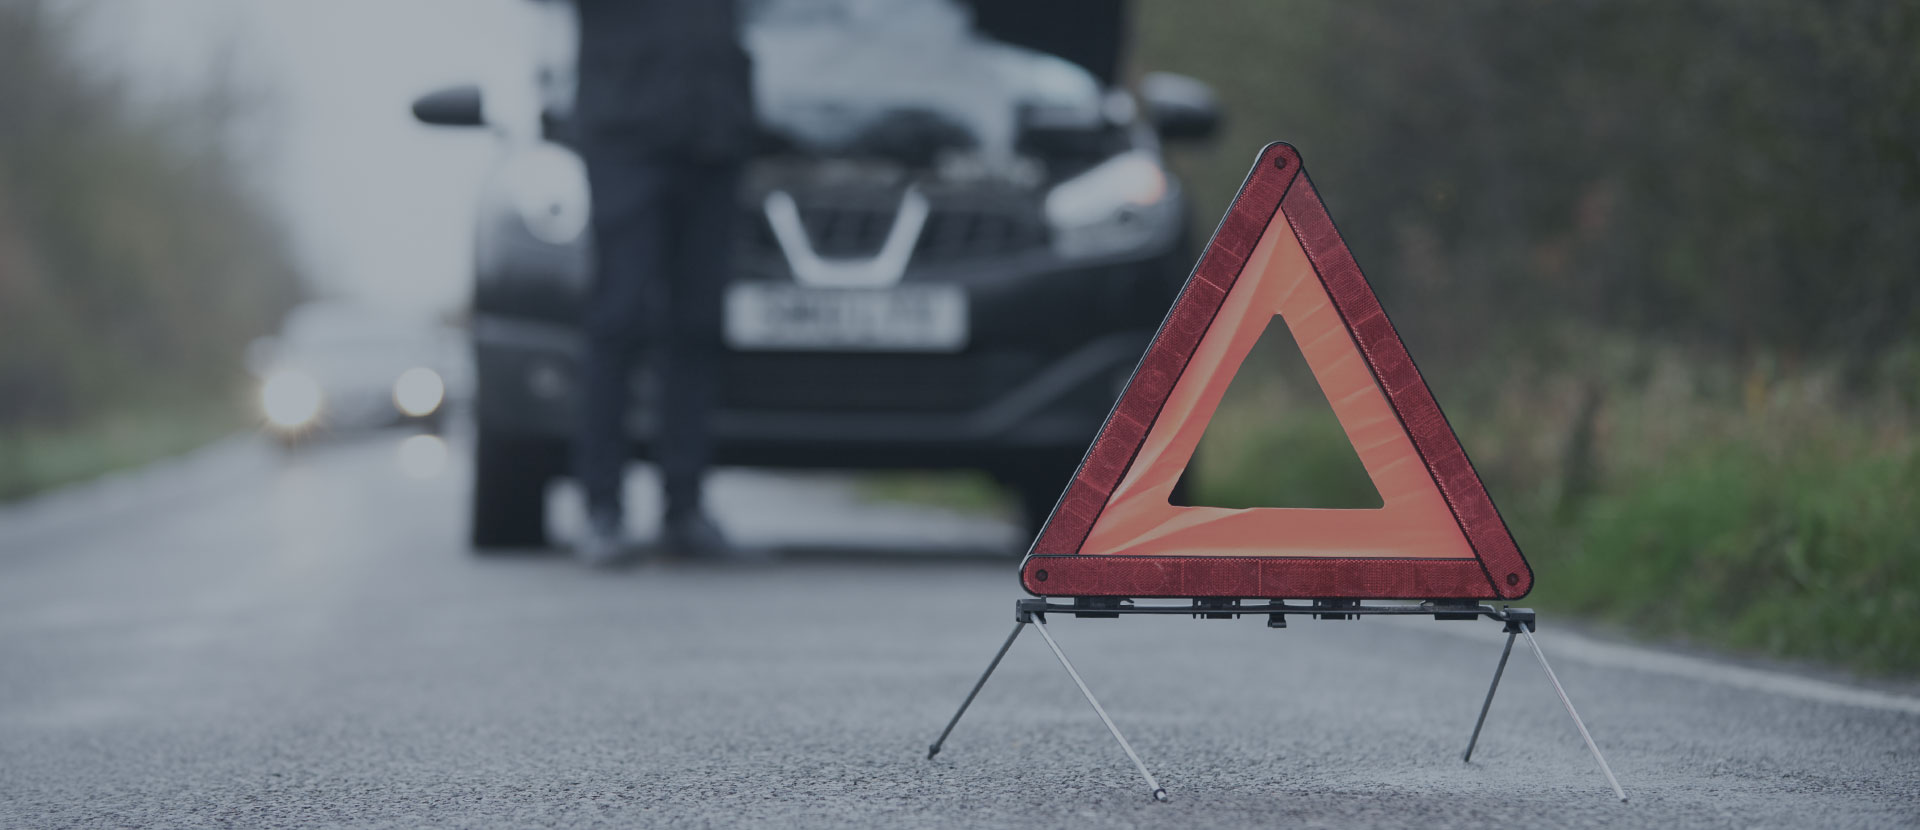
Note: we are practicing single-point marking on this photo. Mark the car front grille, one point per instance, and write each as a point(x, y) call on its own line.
point(963, 232)
point(961, 226)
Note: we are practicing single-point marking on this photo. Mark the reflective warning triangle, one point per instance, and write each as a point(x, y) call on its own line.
point(1436, 535)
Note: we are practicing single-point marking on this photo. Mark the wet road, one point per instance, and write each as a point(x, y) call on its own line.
point(242, 640)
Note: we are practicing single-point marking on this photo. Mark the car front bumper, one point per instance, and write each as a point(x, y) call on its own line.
point(1049, 350)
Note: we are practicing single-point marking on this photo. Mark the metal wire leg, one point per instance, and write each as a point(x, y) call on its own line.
point(1576, 715)
point(1497, 671)
point(1159, 793)
point(935, 748)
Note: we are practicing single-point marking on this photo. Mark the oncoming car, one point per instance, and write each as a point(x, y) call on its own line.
point(955, 244)
point(338, 367)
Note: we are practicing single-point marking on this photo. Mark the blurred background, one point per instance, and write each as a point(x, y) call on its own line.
point(1658, 261)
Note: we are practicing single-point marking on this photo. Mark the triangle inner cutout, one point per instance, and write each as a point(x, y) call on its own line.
point(1275, 441)
point(1116, 533)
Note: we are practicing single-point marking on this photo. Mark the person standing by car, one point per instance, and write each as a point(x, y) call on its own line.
point(664, 118)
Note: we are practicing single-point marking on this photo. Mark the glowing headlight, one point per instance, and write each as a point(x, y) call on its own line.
point(1104, 194)
point(548, 186)
point(423, 456)
point(419, 391)
point(290, 399)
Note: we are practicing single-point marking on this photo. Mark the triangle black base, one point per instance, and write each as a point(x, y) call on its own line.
point(1515, 622)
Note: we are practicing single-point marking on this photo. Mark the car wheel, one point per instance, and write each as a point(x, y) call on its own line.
point(1037, 485)
point(509, 492)
point(1037, 499)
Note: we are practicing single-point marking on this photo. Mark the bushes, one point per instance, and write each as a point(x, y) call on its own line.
point(1656, 258)
point(1813, 553)
point(1738, 174)
point(134, 264)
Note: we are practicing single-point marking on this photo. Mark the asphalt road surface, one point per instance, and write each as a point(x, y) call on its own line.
point(244, 640)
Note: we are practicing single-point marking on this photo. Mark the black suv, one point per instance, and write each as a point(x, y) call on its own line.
point(955, 249)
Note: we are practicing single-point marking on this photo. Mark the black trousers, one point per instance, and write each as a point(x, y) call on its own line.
point(664, 241)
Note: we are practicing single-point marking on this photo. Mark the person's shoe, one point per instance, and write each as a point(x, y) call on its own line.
point(603, 546)
point(694, 535)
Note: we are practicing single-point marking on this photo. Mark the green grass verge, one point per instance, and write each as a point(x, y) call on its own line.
point(1246, 459)
point(1802, 546)
point(34, 460)
point(1811, 554)
point(1784, 530)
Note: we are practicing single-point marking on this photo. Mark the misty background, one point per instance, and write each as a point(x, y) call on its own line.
point(1657, 259)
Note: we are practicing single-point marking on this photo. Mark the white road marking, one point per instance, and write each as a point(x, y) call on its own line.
point(1573, 646)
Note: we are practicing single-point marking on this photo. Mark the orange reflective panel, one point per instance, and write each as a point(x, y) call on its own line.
point(1413, 520)
point(1277, 261)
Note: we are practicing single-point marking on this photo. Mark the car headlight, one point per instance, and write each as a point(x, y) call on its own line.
point(290, 399)
point(548, 186)
point(419, 391)
point(1110, 207)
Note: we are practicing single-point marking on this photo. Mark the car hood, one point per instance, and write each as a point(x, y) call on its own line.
point(911, 84)
point(358, 367)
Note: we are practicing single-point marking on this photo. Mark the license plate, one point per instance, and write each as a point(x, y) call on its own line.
point(907, 318)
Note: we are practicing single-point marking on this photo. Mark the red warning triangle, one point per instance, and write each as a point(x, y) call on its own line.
point(1436, 535)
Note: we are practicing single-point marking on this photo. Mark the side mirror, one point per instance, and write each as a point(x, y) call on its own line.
point(455, 106)
point(1180, 107)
